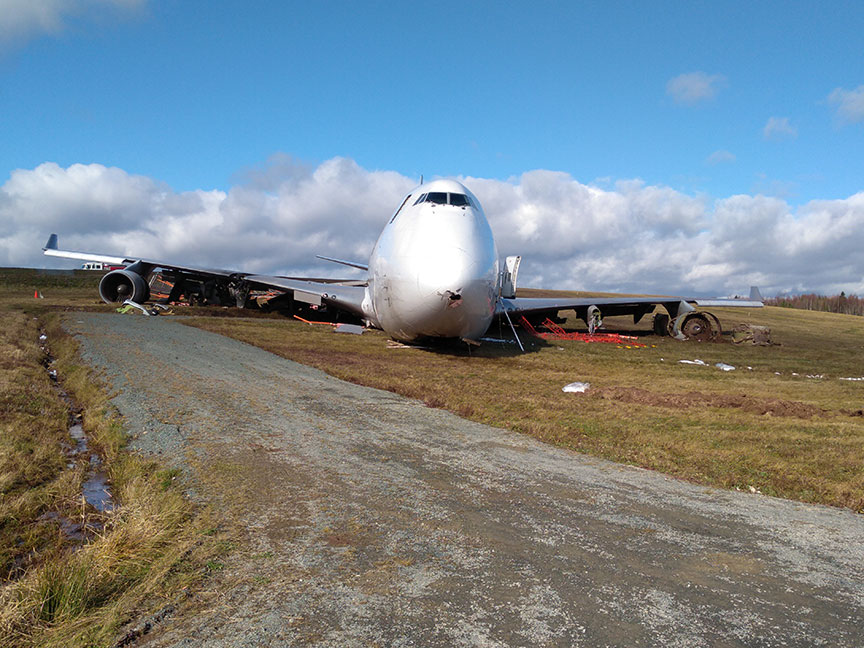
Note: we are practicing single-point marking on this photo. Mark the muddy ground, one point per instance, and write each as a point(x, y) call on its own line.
point(367, 519)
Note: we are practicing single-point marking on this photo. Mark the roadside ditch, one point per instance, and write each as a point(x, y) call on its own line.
point(96, 497)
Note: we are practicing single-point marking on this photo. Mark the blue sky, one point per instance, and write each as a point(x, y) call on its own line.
point(667, 112)
point(194, 92)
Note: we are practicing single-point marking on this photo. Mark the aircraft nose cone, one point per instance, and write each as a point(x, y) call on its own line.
point(450, 298)
point(435, 274)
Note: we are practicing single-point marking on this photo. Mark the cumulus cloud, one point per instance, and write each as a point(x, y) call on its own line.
point(694, 87)
point(720, 157)
point(24, 19)
point(628, 237)
point(850, 104)
point(778, 129)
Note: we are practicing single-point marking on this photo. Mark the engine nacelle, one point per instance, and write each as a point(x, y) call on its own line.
point(120, 285)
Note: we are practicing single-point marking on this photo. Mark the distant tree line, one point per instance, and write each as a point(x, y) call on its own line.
point(848, 305)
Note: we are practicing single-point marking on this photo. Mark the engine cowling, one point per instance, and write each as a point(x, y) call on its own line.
point(120, 285)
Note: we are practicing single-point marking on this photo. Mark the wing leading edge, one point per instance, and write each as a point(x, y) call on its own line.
point(343, 295)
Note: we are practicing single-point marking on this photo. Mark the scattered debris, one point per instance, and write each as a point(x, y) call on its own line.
point(757, 335)
point(860, 379)
point(130, 306)
point(43, 337)
point(694, 362)
point(722, 366)
point(353, 329)
point(395, 344)
point(576, 387)
point(556, 332)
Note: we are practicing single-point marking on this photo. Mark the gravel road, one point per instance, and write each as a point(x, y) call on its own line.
point(368, 519)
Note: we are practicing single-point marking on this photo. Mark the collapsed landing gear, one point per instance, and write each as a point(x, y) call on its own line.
point(697, 326)
point(700, 327)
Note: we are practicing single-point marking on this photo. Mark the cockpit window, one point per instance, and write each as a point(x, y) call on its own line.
point(437, 197)
point(441, 198)
point(460, 200)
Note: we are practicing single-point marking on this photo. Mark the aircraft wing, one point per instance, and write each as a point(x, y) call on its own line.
point(347, 296)
point(610, 306)
point(52, 249)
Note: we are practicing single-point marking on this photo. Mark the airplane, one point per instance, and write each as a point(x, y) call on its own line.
point(433, 273)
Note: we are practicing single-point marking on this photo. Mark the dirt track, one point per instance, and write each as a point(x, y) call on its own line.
point(371, 520)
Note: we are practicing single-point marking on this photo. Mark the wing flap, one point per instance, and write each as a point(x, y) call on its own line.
point(348, 297)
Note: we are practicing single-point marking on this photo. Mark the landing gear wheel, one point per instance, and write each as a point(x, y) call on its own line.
point(661, 324)
point(697, 327)
point(700, 327)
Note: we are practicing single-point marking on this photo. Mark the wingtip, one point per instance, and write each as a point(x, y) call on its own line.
point(52, 243)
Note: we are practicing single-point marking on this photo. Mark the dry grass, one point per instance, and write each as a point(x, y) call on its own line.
point(56, 590)
point(785, 435)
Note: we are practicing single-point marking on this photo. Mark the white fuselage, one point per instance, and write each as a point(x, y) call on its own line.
point(434, 270)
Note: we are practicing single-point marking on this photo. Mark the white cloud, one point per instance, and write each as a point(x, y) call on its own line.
point(24, 19)
point(850, 104)
point(720, 157)
point(778, 129)
point(694, 87)
point(632, 237)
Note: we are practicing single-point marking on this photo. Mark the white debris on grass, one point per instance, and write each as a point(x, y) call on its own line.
point(859, 379)
point(694, 362)
point(576, 387)
point(816, 376)
point(353, 329)
point(43, 337)
point(722, 366)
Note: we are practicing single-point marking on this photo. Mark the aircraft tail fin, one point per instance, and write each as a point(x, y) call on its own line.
point(52, 243)
point(755, 295)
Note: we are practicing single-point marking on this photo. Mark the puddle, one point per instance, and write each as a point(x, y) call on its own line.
point(95, 490)
point(70, 529)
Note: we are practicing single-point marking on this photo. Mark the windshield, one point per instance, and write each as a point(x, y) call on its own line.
point(442, 198)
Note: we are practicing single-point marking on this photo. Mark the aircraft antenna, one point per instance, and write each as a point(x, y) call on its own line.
point(421, 178)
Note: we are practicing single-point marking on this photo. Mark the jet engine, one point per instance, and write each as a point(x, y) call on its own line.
point(120, 285)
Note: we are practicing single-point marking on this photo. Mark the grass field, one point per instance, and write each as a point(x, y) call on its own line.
point(59, 589)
